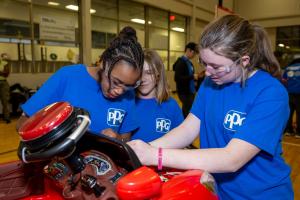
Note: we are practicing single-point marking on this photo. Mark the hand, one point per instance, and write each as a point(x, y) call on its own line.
point(110, 133)
point(146, 153)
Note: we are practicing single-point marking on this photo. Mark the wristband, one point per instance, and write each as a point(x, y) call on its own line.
point(159, 164)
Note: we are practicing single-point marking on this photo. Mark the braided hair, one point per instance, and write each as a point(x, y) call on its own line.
point(124, 47)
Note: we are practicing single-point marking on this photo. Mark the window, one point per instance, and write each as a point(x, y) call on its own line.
point(287, 44)
point(131, 11)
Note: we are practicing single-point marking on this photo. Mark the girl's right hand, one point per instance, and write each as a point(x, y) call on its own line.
point(145, 152)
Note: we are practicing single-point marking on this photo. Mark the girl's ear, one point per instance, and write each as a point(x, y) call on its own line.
point(245, 60)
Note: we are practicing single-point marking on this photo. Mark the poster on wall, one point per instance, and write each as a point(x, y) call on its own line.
point(56, 29)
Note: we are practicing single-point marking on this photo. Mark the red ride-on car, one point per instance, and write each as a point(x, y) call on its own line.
point(61, 159)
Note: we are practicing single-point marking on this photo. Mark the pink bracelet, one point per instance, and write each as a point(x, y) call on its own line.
point(159, 165)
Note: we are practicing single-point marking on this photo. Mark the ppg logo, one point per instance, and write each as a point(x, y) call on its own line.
point(115, 116)
point(234, 119)
point(163, 125)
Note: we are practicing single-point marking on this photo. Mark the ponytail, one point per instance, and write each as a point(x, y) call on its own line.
point(263, 57)
point(233, 37)
point(124, 47)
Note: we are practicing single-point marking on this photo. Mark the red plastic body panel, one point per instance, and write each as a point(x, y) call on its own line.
point(142, 183)
point(51, 193)
point(45, 121)
point(186, 186)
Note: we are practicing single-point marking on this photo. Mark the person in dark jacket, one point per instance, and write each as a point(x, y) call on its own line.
point(291, 78)
point(185, 77)
point(4, 86)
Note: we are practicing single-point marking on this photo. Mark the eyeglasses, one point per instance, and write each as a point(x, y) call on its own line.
point(115, 83)
point(218, 70)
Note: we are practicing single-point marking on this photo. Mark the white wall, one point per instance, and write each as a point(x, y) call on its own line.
point(272, 35)
point(11, 49)
point(204, 8)
point(14, 10)
point(95, 54)
point(270, 13)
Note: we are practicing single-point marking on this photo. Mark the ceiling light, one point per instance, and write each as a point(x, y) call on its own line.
point(281, 45)
point(140, 21)
point(75, 8)
point(287, 47)
point(53, 3)
point(178, 29)
point(72, 7)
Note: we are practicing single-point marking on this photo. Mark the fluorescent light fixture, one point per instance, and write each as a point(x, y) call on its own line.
point(52, 3)
point(75, 8)
point(92, 11)
point(140, 21)
point(281, 45)
point(72, 7)
point(178, 29)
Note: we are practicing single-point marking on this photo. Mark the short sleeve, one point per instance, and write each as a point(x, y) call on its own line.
point(266, 119)
point(129, 123)
point(47, 94)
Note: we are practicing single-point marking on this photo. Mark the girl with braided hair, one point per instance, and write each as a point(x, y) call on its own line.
point(105, 91)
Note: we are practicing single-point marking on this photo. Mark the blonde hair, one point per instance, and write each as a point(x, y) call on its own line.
point(157, 69)
point(233, 37)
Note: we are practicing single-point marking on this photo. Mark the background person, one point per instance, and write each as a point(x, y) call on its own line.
point(156, 112)
point(291, 77)
point(240, 112)
point(185, 77)
point(4, 87)
point(106, 91)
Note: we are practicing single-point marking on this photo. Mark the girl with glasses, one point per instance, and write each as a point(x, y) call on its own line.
point(240, 112)
point(101, 90)
point(156, 112)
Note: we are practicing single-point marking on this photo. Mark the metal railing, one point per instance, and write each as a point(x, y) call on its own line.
point(38, 67)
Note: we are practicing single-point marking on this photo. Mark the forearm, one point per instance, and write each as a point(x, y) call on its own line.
point(211, 160)
point(215, 160)
point(188, 130)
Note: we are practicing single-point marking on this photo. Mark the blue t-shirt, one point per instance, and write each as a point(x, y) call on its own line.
point(73, 84)
point(256, 114)
point(155, 119)
point(292, 75)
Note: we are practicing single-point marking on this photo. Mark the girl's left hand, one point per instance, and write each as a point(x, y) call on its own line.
point(146, 153)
